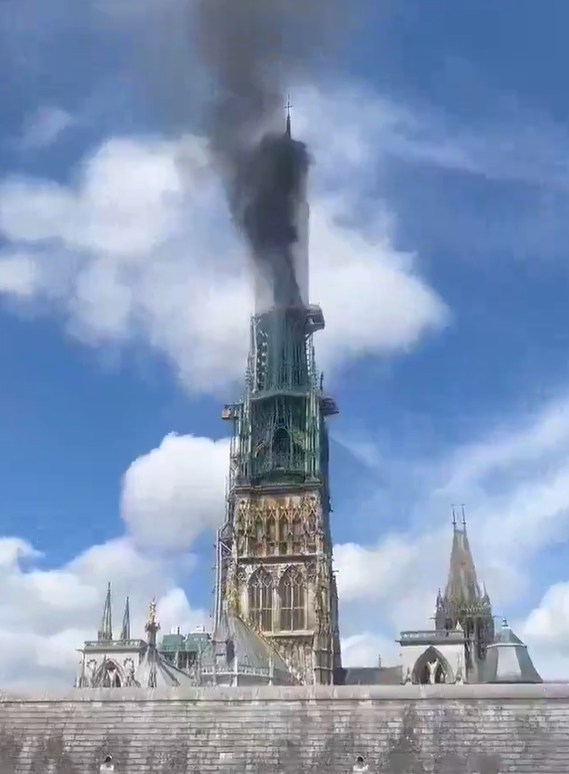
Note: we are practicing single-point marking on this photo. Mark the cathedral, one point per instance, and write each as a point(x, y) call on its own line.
point(275, 618)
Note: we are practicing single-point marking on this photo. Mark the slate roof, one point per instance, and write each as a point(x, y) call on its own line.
point(155, 672)
point(235, 646)
point(508, 660)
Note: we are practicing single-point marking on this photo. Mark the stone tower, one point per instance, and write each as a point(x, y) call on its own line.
point(465, 604)
point(274, 552)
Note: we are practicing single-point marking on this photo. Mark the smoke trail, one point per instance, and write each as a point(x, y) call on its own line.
point(248, 47)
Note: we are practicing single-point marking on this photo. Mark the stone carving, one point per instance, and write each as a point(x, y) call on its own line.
point(432, 666)
point(407, 677)
point(130, 679)
point(91, 671)
point(459, 678)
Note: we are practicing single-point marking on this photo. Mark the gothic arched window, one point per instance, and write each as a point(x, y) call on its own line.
point(293, 601)
point(261, 600)
point(111, 677)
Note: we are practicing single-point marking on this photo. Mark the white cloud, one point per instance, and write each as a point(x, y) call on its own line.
point(368, 650)
point(47, 614)
point(176, 491)
point(18, 275)
point(45, 127)
point(515, 482)
point(169, 496)
point(139, 246)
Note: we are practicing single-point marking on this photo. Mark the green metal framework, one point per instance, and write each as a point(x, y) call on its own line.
point(280, 429)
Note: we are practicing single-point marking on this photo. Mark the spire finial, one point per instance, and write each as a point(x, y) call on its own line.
point(463, 515)
point(288, 108)
point(106, 630)
point(454, 516)
point(125, 631)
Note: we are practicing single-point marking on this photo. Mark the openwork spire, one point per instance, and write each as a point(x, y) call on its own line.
point(106, 630)
point(462, 586)
point(125, 631)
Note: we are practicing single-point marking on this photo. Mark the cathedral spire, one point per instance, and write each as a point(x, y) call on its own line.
point(125, 631)
point(462, 586)
point(288, 107)
point(106, 630)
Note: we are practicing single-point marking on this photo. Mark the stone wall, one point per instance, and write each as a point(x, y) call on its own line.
point(440, 729)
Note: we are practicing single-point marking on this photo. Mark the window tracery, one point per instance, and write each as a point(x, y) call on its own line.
point(261, 600)
point(293, 601)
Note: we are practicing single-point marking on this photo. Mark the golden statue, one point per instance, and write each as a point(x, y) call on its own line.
point(152, 612)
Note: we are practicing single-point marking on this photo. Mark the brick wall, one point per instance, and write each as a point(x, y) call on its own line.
point(399, 729)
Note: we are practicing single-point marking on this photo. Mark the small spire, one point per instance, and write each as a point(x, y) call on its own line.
point(106, 630)
point(454, 516)
point(125, 631)
point(288, 107)
point(463, 515)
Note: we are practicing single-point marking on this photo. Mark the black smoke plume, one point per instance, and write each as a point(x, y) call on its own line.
point(247, 48)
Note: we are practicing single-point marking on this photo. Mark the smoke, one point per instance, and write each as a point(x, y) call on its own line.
point(252, 50)
point(228, 65)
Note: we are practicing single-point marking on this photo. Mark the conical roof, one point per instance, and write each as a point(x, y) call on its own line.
point(462, 588)
point(508, 660)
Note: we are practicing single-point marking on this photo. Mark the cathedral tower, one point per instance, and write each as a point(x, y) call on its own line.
point(274, 552)
point(464, 603)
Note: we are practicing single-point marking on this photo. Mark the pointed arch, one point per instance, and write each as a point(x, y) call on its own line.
point(109, 675)
point(431, 662)
point(261, 600)
point(292, 594)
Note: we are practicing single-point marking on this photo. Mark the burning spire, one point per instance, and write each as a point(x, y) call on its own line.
point(247, 47)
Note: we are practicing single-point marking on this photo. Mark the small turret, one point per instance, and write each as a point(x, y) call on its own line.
point(125, 630)
point(105, 633)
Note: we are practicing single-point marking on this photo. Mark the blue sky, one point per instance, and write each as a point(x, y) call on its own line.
point(439, 232)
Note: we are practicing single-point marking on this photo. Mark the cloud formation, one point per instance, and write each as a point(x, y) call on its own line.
point(175, 493)
point(515, 480)
point(139, 246)
point(48, 613)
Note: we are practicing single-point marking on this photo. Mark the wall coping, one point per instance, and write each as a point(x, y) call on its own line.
point(400, 693)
